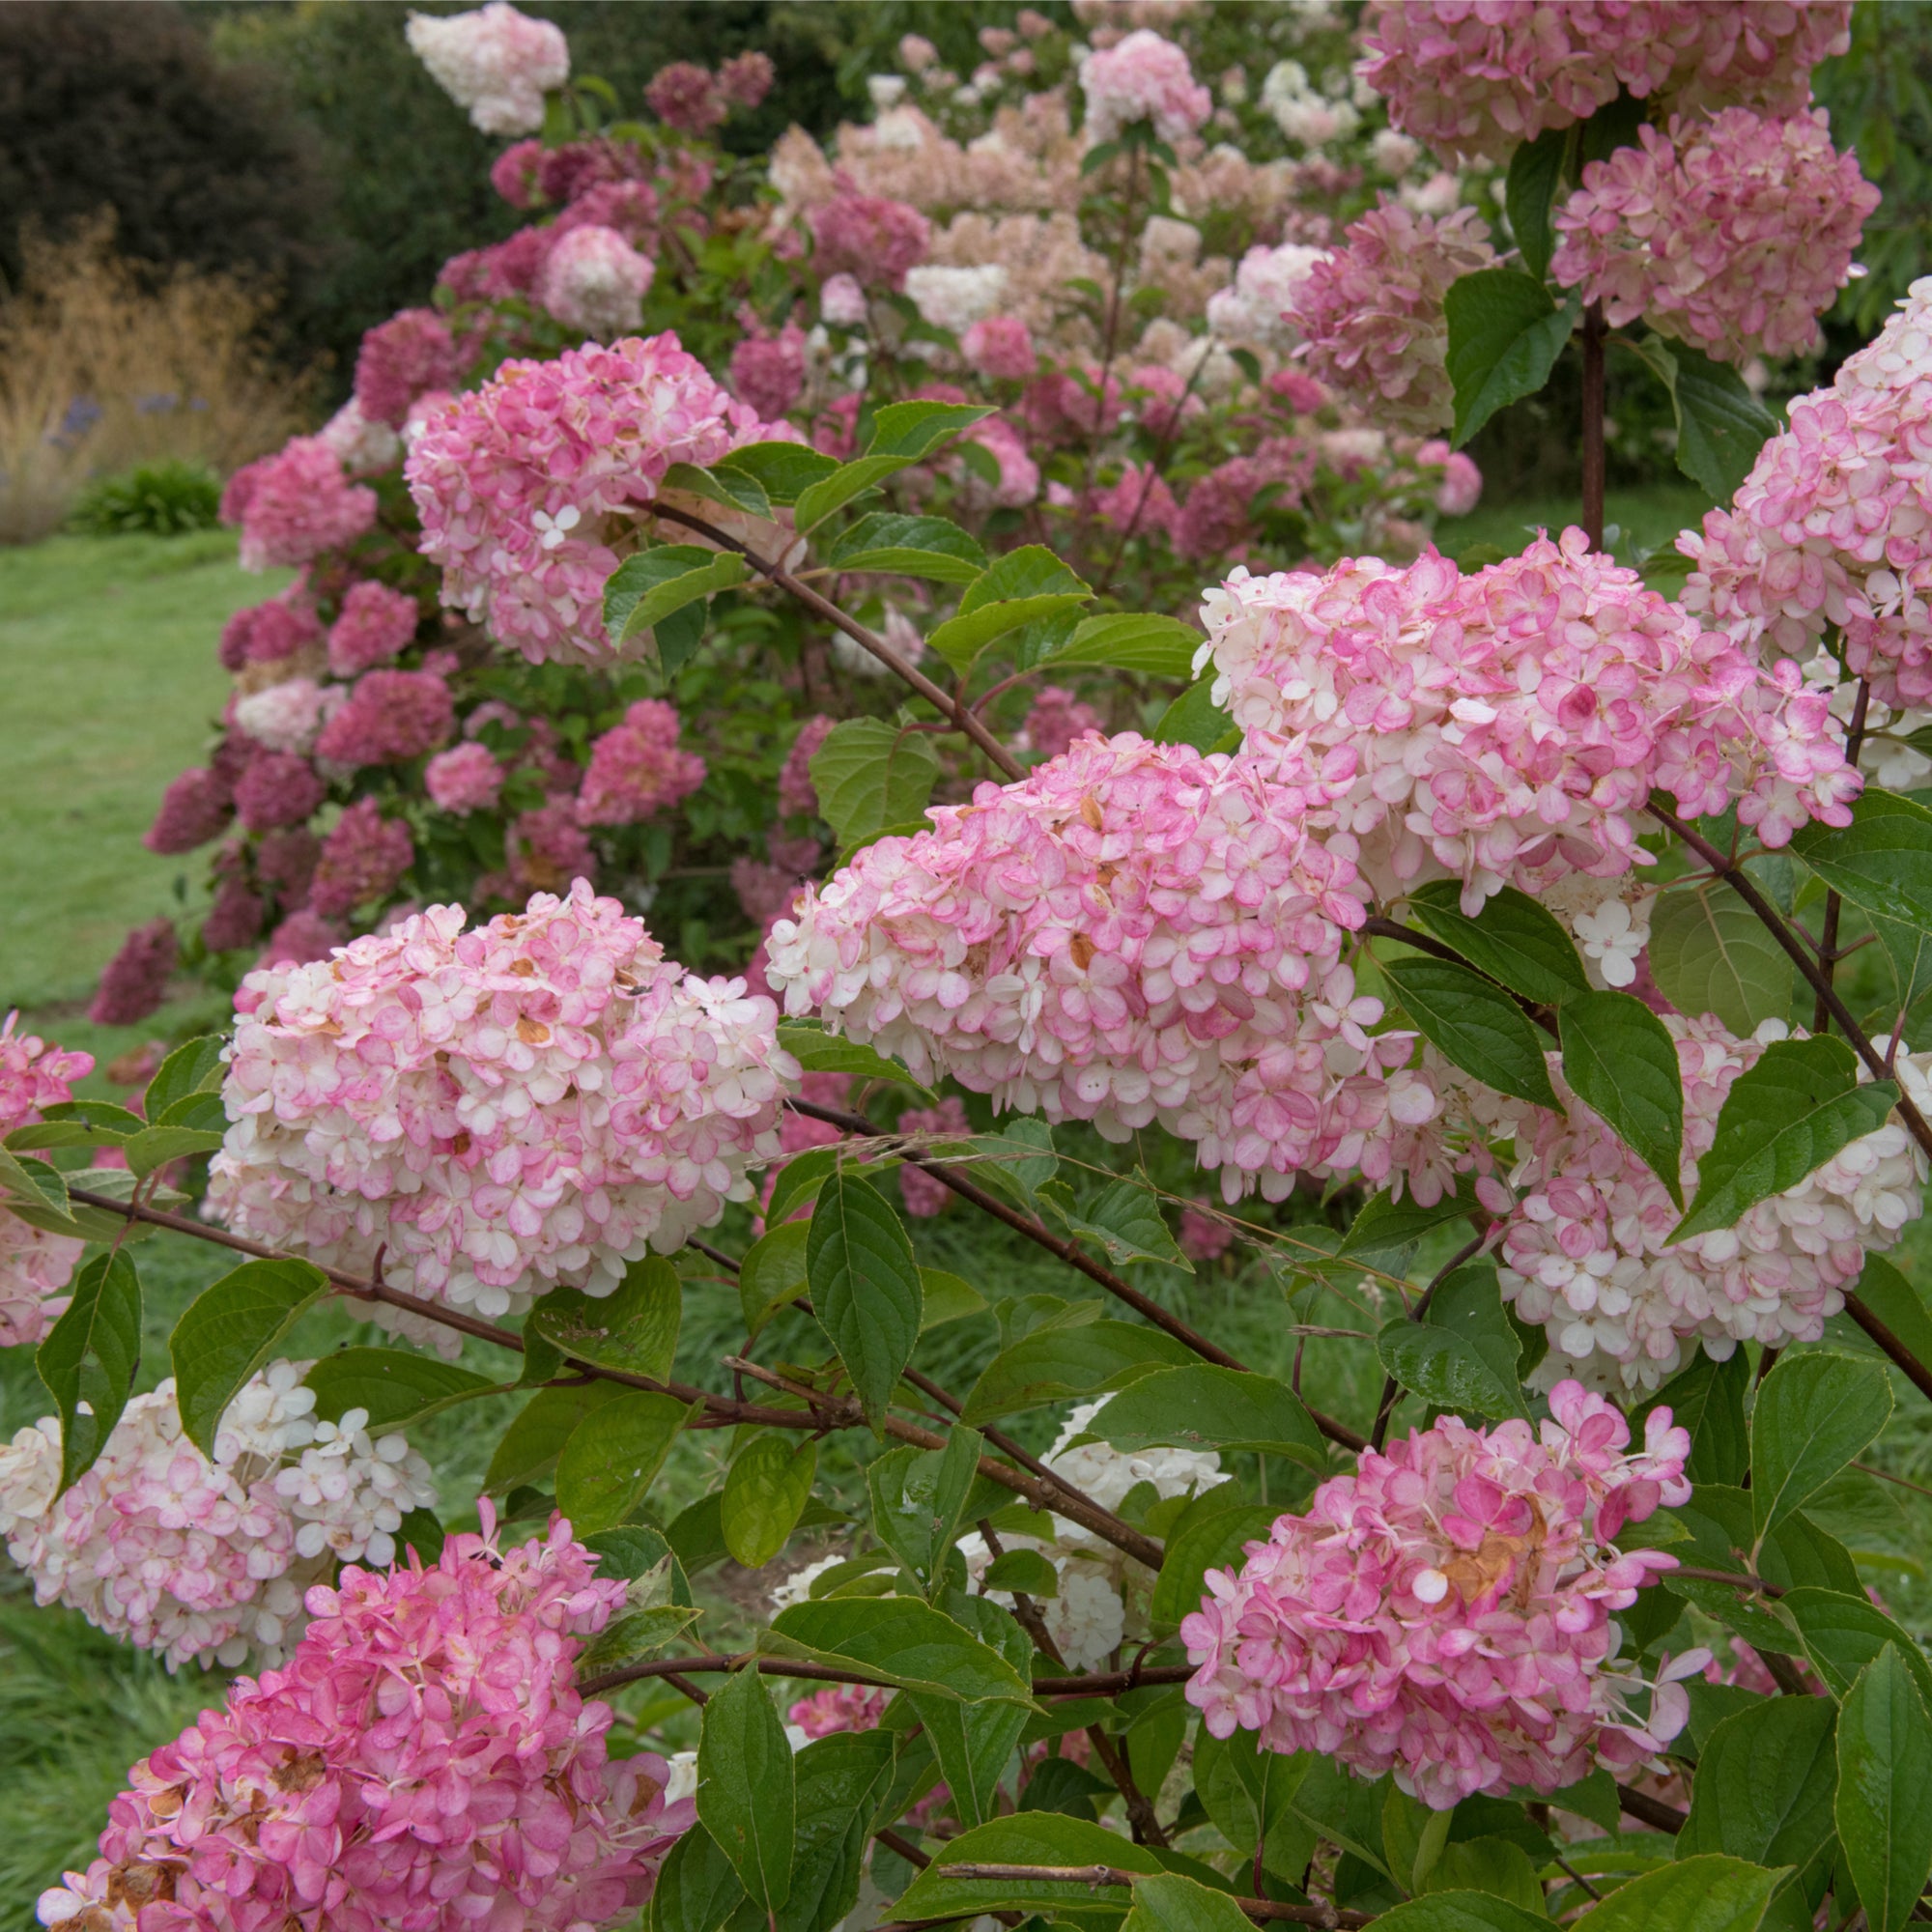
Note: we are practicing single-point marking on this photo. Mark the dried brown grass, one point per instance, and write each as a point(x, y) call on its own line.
point(103, 365)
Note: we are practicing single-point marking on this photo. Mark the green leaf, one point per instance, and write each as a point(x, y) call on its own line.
point(765, 1493)
point(1882, 862)
point(913, 431)
point(782, 470)
point(1387, 1231)
point(1135, 641)
point(633, 1328)
point(1064, 1363)
point(1505, 334)
point(1460, 1911)
point(1711, 953)
point(1708, 1399)
point(930, 546)
point(229, 1332)
point(155, 1146)
point(189, 1072)
point(735, 488)
point(1125, 1220)
point(1721, 425)
point(1195, 719)
point(1885, 1790)
point(531, 1444)
point(839, 1782)
point(1783, 1119)
point(917, 1496)
point(698, 1890)
point(1020, 588)
point(1026, 1838)
point(1844, 1633)
point(611, 1458)
point(1249, 1792)
point(798, 1182)
point(1815, 1412)
point(1492, 1866)
point(653, 585)
point(421, 1531)
point(1897, 1302)
point(1535, 180)
point(1705, 1893)
point(772, 1274)
point(974, 1743)
point(820, 1052)
point(1024, 1572)
point(1202, 1406)
point(103, 1119)
point(747, 1790)
point(947, 1298)
point(864, 1286)
point(1512, 939)
point(1168, 1902)
point(899, 1639)
point(1465, 1356)
point(1473, 1023)
point(1211, 1536)
point(633, 1634)
point(89, 1356)
point(871, 774)
point(1764, 1784)
point(393, 1385)
point(1620, 1061)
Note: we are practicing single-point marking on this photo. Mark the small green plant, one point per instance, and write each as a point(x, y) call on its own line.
point(161, 498)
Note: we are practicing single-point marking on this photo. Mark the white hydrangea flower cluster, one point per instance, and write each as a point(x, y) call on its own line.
point(1255, 307)
point(208, 1560)
point(955, 299)
point(494, 61)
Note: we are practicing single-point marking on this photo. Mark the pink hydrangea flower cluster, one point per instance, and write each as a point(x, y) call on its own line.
point(635, 768)
point(401, 358)
point(1372, 316)
point(685, 97)
point(1585, 1251)
point(1476, 76)
point(515, 482)
point(1256, 307)
point(547, 850)
point(424, 1760)
point(293, 506)
point(374, 625)
point(287, 717)
point(925, 1197)
point(1000, 347)
point(1509, 726)
point(465, 778)
point(362, 861)
point(1057, 719)
point(1143, 77)
point(494, 61)
point(274, 789)
point(594, 280)
point(768, 372)
point(1445, 1612)
point(1131, 933)
point(1733, 235)
point(797, 794)
point(391, 716)
point(534, 1101)
point(267, 632)
point(870, 238)
point(200, 1559)
point(35, 1267)
point(195, 808)
point(134, 982)
point(1834, 524)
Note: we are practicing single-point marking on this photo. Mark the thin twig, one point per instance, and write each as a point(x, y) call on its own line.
point(716, 1663)
point(1651, 1811)
point(1827, 939)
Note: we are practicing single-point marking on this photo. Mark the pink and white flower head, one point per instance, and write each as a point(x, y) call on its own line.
point(842, 301)
point(376, 625)
point(1474, 78)
point(1834, 524)
point(1372, 316)
point(287, 717)
point(1144, 77)
point(1000, 347)
point(533, 1103)
point(35, 1266)
point(467, 778)
point(521, 483)
point(1508, 727)
point(295, 504)
point(494, 62)
point(1256, 307)
point(637, 769)
point(424, 1759)
point(1445, 1613)
point(1131, 933)
point(206, 1560)
point(400, 360)
point(1733, 235)
point(1587, 1250)
point(594, 280)
point(363, 447)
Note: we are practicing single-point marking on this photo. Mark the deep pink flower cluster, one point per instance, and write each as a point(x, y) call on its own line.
point(1131, 933)
point(797, 794)
point(195, 808)
point(413, 351)
point(870, 238)
point(235, 917)
point(1144, 77)
point(547, 850)
point(1000, 347)
point(594, 280)
point(391, 716)
point(768, 372)
point(1056, 720)
point(514, 482)
point(1371, 312)
point(134, 982)
point(274, 789)
point(1508, 727)
point(1445, 1612)
point(424, 1760)
point(635, 768)
point(1734, 233)
point(1834, 524)
point(1476, 76)
point(537, 1100)
point(924, 1196)
point(374, 625)
point(839, 1707)
point(1219, 514)
point(267, 633)
point(363, 858)
point(685, 97)
point(465, 778)
point(630, 207)
point(1204, 1236)
point(293, 506)
point(1588, 1253)
point(35, 1267)
point(495, 61)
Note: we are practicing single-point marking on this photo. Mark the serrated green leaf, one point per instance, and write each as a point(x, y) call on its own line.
point(747, 1788)
point(1505, 334)
point(929, 546)
point(393, 1387)
point(766, 1492)
point(917, 1497)
point(1711, 953)
point(1024, 1572)
point(1512, 939)
point(1168, 1902)
point(1814, 1413)
point(1249, 1793)
point(229, 1332)
point(614, 1455)
point(871, 775)
point(913, 431)
point(1202, 1406)
point(1389, 1230)
point(1459, 1912)
point(1195, 719)
point(1125, 1220)
point(1882, 862)
point(1134, 640)
point(1702, 1893)
point(654, 584)
point(1783, 1117)
point(1764, 1784)
point(798, 1182)
point(901, 1641)
point(1463, 1357)
point(735, 488)
point(1020, 588)
point(190, 1069)
point(1897, 1303)
point(1475, 1025)
point(155, 1146)
point(1843, 1633)
point(782, 470)
point(89, 1357)
point(1535, 178)
point(864, 1286)
point(840, 1781)
point(697, 1891)
point(946, 1298)
point(1721, 425)
point(820, 1052)
point(1619, 1060)
point(1026, 1838)
point(772, 1274)
point(633, 1328)
point(1060, 1364)
point(531, 1444)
